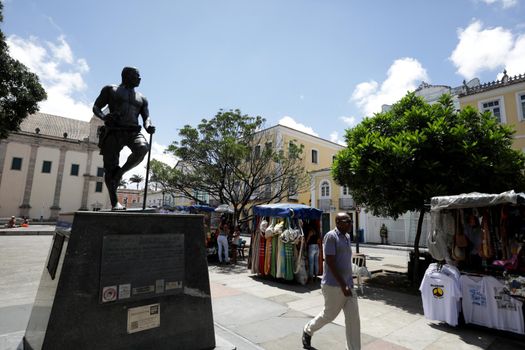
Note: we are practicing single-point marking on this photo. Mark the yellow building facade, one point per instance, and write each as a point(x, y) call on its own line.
point(505, 98)
point(318, 156)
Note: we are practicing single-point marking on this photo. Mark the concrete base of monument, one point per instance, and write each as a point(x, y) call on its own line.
point(124, 280)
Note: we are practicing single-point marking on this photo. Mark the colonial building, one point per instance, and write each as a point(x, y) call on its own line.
point(505, 98)
point(318, 156)
point(51, 165)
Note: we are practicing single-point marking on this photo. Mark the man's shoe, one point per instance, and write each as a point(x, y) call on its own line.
point(307, 340)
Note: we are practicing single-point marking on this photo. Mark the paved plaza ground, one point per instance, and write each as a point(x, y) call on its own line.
point(251, 312)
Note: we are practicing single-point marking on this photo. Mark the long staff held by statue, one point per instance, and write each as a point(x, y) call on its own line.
point(147, 172)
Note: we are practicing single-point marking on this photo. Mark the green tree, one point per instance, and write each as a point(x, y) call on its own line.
point(136, 178)
point(122, 183)
point(232, 160)
point(397, 160)
point(20, 90)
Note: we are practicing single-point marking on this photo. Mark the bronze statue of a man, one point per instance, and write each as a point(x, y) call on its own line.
point(121, 128)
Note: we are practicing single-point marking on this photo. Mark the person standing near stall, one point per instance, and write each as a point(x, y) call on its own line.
point(336, 285)
point(222, 242)
point(236, 242)
point(312, 241)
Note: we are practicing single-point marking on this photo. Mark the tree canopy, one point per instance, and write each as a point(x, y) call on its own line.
point(136, 178)
point(232, 160)
point(397, 160)
point(20, 90)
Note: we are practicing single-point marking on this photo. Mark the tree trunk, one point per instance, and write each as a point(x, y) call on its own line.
point(415, 270)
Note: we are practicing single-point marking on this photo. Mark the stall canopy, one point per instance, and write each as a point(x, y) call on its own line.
point(299, 211)
point(475, 199)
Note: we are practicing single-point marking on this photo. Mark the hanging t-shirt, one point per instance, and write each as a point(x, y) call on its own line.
point(475, 302)
point(440, 295)
point(449, 270)
point(506, 311)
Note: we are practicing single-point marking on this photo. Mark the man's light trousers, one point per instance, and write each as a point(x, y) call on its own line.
point(334, 301)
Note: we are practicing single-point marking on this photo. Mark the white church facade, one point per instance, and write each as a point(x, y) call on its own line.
point(51, 165)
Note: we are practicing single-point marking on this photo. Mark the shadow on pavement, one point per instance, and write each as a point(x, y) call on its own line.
point(470, 334)
point(393, 289)
point(291, 286)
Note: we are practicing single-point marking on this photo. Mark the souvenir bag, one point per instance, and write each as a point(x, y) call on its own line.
point(486, 248)
point(300, 275)
point(278, 228)
point(268, 233)
point(263, 226)
point(461, 239)
point(436, 244)
point(458, 252)
point(436, 239)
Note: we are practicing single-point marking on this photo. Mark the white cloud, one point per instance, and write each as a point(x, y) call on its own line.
point(403, 75)
point(291, 123)
point(350, 121)
point(334, 137)
point(481, 49)
point(61, 74)
point(504, 3)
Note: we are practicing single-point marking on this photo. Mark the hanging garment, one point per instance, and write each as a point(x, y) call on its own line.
point(506, 311)
point(486, 246)
point(275, 256)
point(255, 252)
point(474, 302)
point(289, 266)
point(268, 256)
point(281, 260)
point(440, 296)
point(262, 250)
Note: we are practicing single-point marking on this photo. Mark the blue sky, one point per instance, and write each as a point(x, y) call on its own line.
point(316, 65)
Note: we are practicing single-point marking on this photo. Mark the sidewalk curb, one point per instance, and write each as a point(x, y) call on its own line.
point(28, 233)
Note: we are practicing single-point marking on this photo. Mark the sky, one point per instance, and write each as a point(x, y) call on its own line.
point(319, 66)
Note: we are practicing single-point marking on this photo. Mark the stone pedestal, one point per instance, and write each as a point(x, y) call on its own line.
point(124, 281)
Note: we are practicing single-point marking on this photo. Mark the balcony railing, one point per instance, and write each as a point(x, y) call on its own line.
point(324, 204)
point(346, 203)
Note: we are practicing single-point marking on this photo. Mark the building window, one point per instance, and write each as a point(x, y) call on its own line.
point(314, 156)
point(100, 172)
point(325, 189)
point(292, 188)
point(46, 167)
point(521, 105)
point(494, 106)
point(98, 186)
point(257, 151)
point(268, 146)
point(16, 163)
point(333, 159)
point(345, 191)
point(74, 169)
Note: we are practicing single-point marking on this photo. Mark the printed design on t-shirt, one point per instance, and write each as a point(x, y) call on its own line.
point(477, 297)
point(437, 290)
point(504, 300)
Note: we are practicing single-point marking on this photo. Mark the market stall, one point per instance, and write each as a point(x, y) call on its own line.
point(278, 241)
point(478, 241)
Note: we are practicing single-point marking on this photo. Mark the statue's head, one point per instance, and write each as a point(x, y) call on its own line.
point(130, 77)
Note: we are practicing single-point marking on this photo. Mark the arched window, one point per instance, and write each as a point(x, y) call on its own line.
point(325, 189)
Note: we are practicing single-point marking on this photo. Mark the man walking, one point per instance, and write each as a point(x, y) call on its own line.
point(336, 285)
